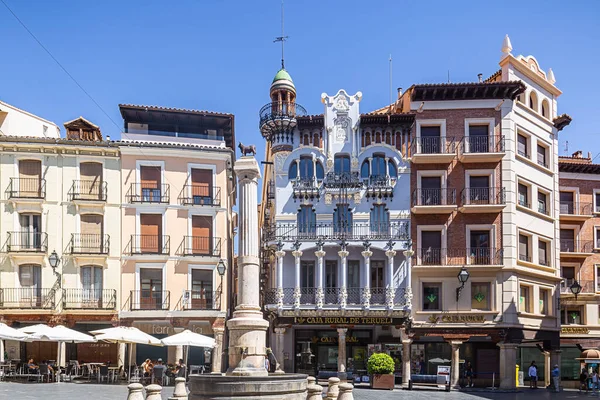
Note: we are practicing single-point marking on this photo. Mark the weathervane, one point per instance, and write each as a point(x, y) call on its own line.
point(281, 38)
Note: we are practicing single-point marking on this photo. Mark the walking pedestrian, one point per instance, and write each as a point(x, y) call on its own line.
point(594, 381)
point(532, 375)
point(583, 378)
point(469, 374)
point(556, 378)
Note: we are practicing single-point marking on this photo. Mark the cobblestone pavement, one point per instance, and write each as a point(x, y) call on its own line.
point(85, 391)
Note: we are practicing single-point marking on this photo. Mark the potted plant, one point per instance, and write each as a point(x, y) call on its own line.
point(381, 368)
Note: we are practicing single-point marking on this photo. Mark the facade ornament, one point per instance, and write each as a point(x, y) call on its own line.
point(366, 296)
point(280, 162)
point(329, 163)
point(296, 246)
point(320, 243)
point(357, 198)
point(320, 298)
point(390, 296)
point(279, 298)
point(328, 198)
point(279, 245)
point(354, 162)
point(297, 296)
point(390, 244)
point(344, 246)
point(343, 298)
point(408, 297)
point(367, 246)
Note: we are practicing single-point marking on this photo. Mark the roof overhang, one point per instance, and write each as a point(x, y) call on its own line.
point(467, 91)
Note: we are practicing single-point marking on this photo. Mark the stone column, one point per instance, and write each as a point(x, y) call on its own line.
point(121, 355)
point(508, 362)
point(320, 274)
point(387, 170)
point(390, 292)
point(342, 353)
point(136, 391)
point(406, 361)
point(1, 350)
point(408, 292)
point(333, 387)
point(455, 372)
point(547, 370)
point(247, 328)
point(366, 295)
point(178, 353)
point(344, 275)
point(297, 291)
point(217, 355)
point(279, 343)
point(280, 254)
point(153, 392)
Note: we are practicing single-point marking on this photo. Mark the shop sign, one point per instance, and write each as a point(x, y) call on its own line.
point(347, 321)
point(333, 339)
point(578, 330)
point(456, 319)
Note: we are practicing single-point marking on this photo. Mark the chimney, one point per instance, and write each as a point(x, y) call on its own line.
point(399, 93)
point(107, 138)
point(480, 77)
point(577, 154)
point(590, 155)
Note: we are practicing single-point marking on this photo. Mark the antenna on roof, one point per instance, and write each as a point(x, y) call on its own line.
point(281, 38)
point(448, 76)
point(567, 146)
point(390, 81)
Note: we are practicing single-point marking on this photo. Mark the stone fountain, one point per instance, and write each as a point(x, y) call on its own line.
point(247, 377)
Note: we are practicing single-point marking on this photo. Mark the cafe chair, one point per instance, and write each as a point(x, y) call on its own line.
point(103, 373)
point(158, 375)
point(43, 373)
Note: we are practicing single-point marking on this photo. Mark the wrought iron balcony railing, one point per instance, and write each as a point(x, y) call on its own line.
point(149, 300)
point(89, 190)
point(576, 208)
point(200, 195)
point(587, 286)
point(148, 193)
point(348, 180)
point(434, 197)
point(89, 243)
point(483, 196)
point(576, 246)
point(27, 298)
point(89, 299)
point(27, 241)
point(200, 300)
point(279, 110)
point(26, 188)
point(434, 145)
point(200, 246)
point(396, 230)
point(483, 144)
point(149, 244)
point(454, 257)
point(306, 187)
point(355, 296)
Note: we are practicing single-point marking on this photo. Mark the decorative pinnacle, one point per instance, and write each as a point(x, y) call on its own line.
point(367, 245)
point(279, 245)
point(390, 244)
point(296, 245)
point(320, 243)
point(344, 244)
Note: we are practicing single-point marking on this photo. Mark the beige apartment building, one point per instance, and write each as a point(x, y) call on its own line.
point(177, 195)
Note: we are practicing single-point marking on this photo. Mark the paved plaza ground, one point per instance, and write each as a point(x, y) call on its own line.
point(86, 391)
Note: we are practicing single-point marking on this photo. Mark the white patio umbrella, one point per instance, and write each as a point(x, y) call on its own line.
point(8, 333)
point(188, 338)
point(126, 334)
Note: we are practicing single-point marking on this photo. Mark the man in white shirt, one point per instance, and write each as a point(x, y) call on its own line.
point(532, 376)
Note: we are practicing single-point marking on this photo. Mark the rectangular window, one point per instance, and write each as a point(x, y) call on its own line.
point(380, 219)
point(544, 301)
point(567, 240)
point(431, 296)
point(307, 274)
point(431, 190)
point(522, 147)
point(597, 205)
point(431, 251)
point(597, 237)
point(431, 142)
point(353, 274)
point(568, 276)
point(567, 203)
point(341, 164)
point(525, 299)
point(598, 280)
point(542, 203)
point(377, 274)
point(331, 267)
point(342, 219)
point(307, 220)
point(480, 296)
point(541, 156)
point(479, 140)
point(571, 316)
point(543, 258)
point(524, 248)
point(523, 195)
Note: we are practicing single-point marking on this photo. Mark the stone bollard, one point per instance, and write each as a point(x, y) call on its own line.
point(315, 392)
point(311, 380)
point(153, 392)
point(333, 391)
point(180, 392)
point(346, 392)
point(135, 391)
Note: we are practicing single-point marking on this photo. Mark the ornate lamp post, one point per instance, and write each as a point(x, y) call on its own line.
point(575, 288)
point(54, 261)
point(463, 277)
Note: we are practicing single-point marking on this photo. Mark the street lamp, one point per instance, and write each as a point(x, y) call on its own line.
point(221, 268)
point(54, 260)
point(575, 288)
point(463, 277)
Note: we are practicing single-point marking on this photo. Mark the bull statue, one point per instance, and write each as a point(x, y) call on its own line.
point(251, 149)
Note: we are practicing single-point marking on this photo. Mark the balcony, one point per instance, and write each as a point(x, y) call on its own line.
point(306, 188)
point(379, 186)
point(88, 191)
point(575, 211)
point(89, 299)
point(587, 287)
point(200, 246)
point(149, 244)
point(148, 193)
point(278, 118)
point(477, 149)
point(27, 298)
point(26, 188)
point(149, 300)
point(433, 150)
point(476, 256)
point(483, 200)
point(94, 244)
point(330, 231)
point(343, 180)
point(26, 242)
point(331, 297)
point(200, 300)
point(433, 201)
point(576, 248)
point(199, 195)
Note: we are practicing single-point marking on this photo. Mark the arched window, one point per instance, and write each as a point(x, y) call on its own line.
point(533, 101)
point(316, 140)
point(306, 139)
point(293, 171)
point(364, 169)
point(521, 98)
point(378, 137)
point(398, 141)
point(306, 167)
point(392, 170)
point(545, 109)
point(320, 172)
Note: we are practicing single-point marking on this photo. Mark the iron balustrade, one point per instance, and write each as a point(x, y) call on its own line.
point(434, 197)
point(354, 295)
point(270, 296)
point(149, 300)
point(587, 286)
point(26, 188)
point(400, 297)
point(149, 244)
point(523, 153)
point(543, 209)
point(347, 180)
point(148, 193)
point(576, 246)
point(378, 296)
point(483, 144)
point(457, 257)
point(308, 295)
point(434, 145)
point(483, 196)
point(331, 295)
point(306, 188)
point(200, 195)
point(89, 190)
point(576, 208)
point(27, 241)
point(206, 246)
point(279, 110)
point(200, 300)
point(27, 298)
point(379, 182)
point(194, 135)
point(396, 230)
point(89, 243)
point(525, 257)
point(524, 203)
point(89, 299)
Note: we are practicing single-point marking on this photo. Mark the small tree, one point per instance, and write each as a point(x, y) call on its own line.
point(380, 364)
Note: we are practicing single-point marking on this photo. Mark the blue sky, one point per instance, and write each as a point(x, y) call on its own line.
point(219, 55)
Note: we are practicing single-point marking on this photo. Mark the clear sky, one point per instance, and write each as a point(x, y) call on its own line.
point(219, 55)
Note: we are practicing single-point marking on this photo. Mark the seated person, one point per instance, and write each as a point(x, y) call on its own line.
point(180, 369)
point(147, 368)
point(32, 366)
point(160, 366)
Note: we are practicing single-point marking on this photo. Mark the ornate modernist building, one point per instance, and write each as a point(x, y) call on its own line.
point(335, 228)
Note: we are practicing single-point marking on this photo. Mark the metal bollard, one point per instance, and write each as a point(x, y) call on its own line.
point(180, 392)
point(135, 391)
point(153, 392)
point(315, 392)
point(346, 392)
point(311, 380)
point(333, 391)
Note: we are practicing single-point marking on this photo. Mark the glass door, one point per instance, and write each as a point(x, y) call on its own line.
point(151, 289)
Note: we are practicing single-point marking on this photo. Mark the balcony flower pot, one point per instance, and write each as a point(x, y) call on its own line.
point(381, 369)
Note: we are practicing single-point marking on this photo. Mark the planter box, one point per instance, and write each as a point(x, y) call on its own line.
point(385, 381)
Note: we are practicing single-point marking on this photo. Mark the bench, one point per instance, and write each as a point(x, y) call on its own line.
point(428, 380)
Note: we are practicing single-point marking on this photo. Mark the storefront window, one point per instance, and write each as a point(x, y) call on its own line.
point(480, 296)
point(431, 296)
point(570, 368)
point(527, 355)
